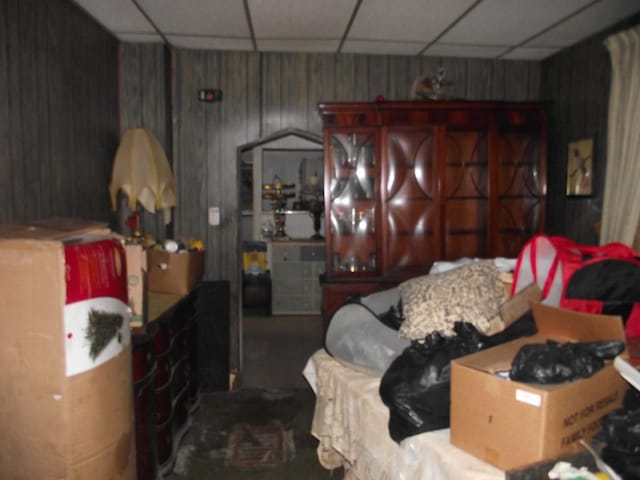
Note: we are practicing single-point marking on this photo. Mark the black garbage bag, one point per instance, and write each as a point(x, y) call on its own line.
point(553, 362)
point(621, 435)
point(393, 317)
point(416, 386)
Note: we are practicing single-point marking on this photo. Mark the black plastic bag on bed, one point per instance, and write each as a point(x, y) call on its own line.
point(553, 362)
point(416, 386)
point(393, 317)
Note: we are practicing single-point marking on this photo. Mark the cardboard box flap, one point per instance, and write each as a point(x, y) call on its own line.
point(515, 307)
point(553, 323)
point(53, 229)
point(568, 325)
point(69, 224)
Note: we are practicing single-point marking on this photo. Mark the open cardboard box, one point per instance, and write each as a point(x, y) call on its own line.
point(66, 402)
point(511, 424)
point(174, 273)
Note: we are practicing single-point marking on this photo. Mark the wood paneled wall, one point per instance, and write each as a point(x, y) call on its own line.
point(58, 111)
point(576, 83)
point(264, 93)
point(144, 102)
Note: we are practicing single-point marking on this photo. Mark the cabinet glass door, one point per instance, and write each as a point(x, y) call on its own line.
point(520, 189)
point(410, 201)
point(465, 196)
point(352, 171)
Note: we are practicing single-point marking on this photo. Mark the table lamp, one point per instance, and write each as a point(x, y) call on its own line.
point(141, 170)
point(276, 192)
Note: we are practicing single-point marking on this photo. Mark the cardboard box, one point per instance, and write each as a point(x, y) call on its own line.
point(54, 228)
point(174, 273)
point(511, 424)
point(137, 283)
point(65, 395)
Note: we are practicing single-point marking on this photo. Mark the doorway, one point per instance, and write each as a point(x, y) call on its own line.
point(278, 343)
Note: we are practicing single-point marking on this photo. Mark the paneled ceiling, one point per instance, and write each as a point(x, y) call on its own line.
point(506, 29)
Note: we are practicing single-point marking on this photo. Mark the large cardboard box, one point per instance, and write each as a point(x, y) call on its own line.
point(65, 382)
point(174, 273)
point(512, 424)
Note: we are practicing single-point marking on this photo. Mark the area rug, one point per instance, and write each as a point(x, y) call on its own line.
point(257, 445)
point(252, 434)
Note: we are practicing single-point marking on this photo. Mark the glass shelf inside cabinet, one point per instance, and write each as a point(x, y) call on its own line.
point(353, 202)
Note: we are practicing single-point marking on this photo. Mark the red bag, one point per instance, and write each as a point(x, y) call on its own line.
point(597, 279)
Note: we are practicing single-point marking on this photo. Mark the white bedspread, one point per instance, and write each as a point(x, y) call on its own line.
point(350, 421)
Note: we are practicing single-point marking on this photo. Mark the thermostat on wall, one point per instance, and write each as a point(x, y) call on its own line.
point(210, 95)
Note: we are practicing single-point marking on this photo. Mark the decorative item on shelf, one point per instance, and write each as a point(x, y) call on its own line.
point(178, 246)
point(313, 193)
point(141, 170)
point(195, 245)
point(276, 193)
point(431, 87)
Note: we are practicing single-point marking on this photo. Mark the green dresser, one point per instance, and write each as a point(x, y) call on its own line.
point(295, 270)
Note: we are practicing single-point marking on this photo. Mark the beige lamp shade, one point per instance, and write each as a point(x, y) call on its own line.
point(141, 170)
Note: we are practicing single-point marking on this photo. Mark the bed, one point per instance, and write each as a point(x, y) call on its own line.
point(350, 422)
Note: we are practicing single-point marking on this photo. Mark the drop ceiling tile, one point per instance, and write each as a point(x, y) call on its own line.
point(117, 15)
point(591, 20)
point(415, 20)
point(220, 18)
point(381, 48)
point(298, 45)
point(140, 37)
point(296, 19)
point(380, 26)
point(509, 22)
point(527, 53)
point(210, 43)
point(471, 51)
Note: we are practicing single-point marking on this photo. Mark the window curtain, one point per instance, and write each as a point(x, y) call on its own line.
point(621, 206)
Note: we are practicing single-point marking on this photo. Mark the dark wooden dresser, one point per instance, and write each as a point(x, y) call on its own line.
point(165, 375)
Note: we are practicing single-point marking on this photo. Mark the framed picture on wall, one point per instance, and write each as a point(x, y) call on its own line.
point(580, 168)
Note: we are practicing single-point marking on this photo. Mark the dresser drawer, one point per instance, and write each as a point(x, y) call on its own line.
point(294, 286)
point(286, 254)
point(312, 253)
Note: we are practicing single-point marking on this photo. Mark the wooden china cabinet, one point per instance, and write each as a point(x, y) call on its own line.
point(411, 183)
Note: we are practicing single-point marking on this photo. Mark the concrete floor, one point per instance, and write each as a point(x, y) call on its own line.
point(273, 392)
point(276, 349)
